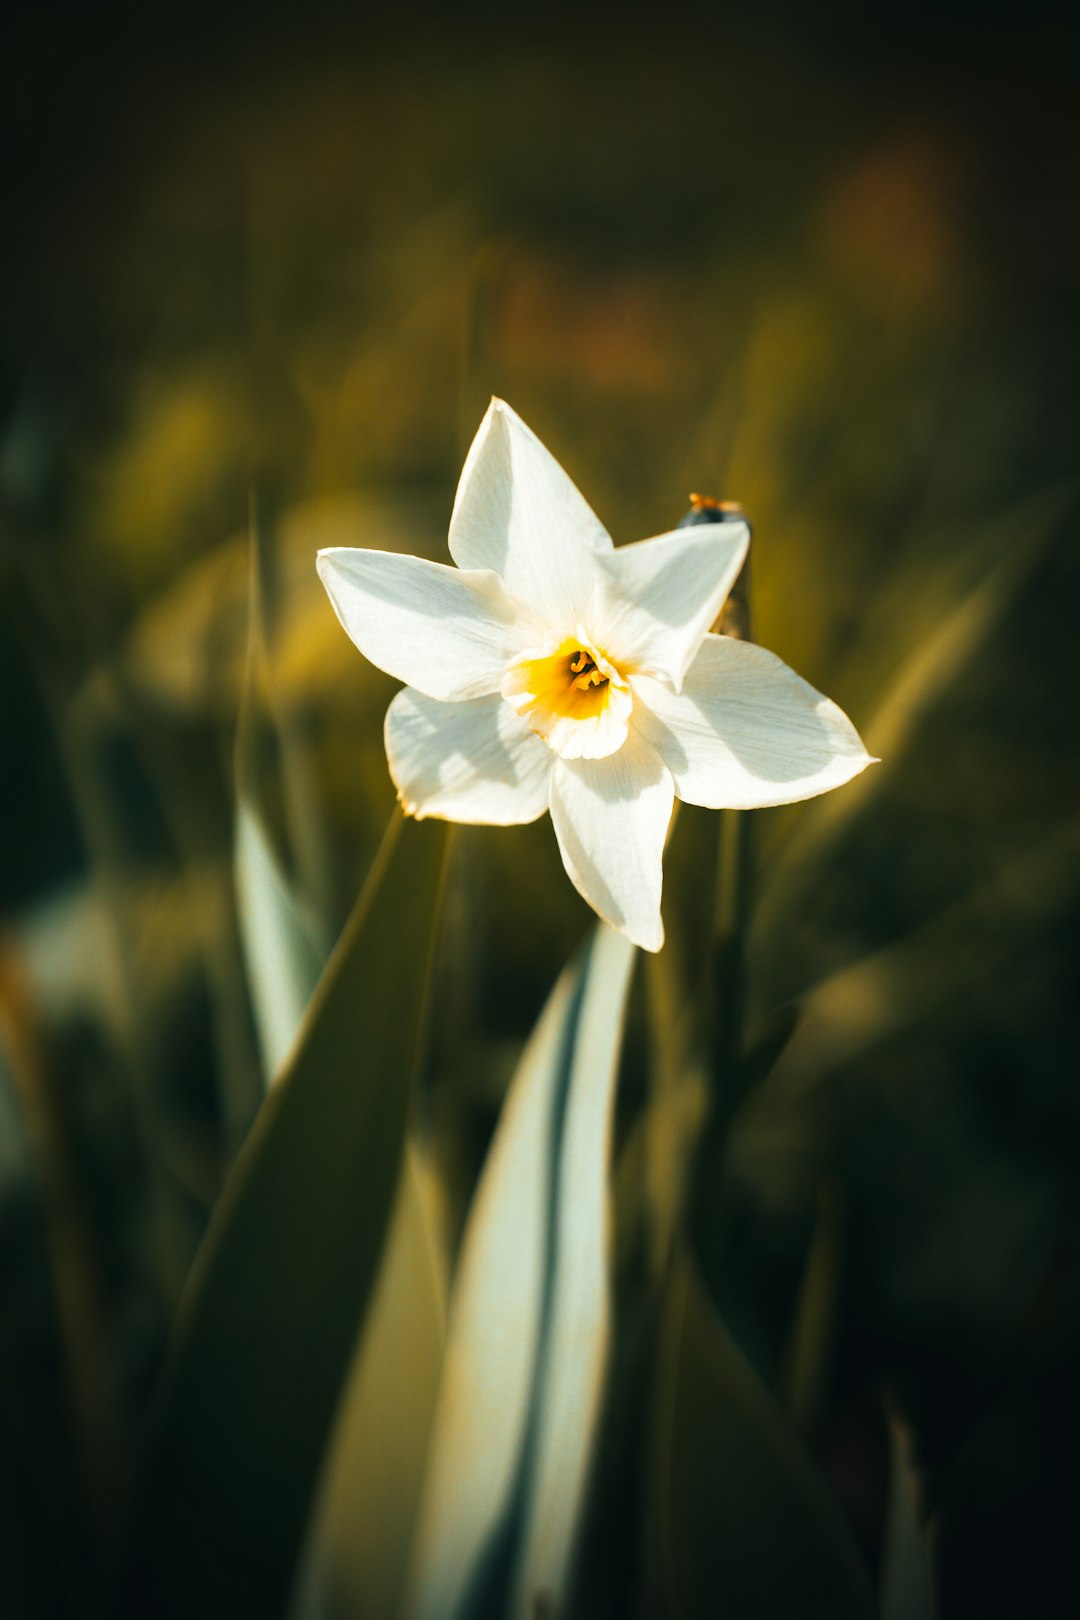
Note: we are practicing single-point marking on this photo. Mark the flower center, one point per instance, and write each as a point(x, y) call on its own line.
point(585, 672)
point(573, 696)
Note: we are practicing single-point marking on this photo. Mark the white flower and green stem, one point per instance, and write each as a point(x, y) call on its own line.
point(552, 671)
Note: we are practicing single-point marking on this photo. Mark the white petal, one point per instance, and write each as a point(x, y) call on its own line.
point(475, 762)
point(445, 631)
point(518, 513)
point(660, 596)
point(611, 817)
point(746, 731)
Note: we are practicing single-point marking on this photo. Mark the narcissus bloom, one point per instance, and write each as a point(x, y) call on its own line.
point(550, 670)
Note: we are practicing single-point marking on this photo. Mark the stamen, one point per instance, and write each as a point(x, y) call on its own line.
point(586, 674)
point(572, 697)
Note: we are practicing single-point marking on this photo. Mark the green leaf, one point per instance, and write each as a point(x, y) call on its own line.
point(375, 1467)
point(286, 1273)
point(907, 1575)
point(679, 1004)
point(283, 951)
point(529, 1328)
point(709, 1211)
point(281, 955)
point(810, 1341)
point(861, 1007)
point(574, 1352)
point(740, 1522)
point(935, 661)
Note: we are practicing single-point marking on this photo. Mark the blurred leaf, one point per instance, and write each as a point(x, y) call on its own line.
point(45, 1162)
point(679, 1002)
point(862, 1006)
point(375, 1468)
point(709, 1211)
point(282, 959)
point(764, 1049)
point(907, 1577)
point(740, 1522)
point(280, 941)
point(811, 1340)
point(286, 1273)
point(967, 949)
point(529, 1329)
point(186, 649)
point(936, 660)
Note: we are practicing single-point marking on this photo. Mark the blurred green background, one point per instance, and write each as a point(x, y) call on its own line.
point(825, 266)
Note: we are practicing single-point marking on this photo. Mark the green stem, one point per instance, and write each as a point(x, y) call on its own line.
point(727, 979)
point(734, 881)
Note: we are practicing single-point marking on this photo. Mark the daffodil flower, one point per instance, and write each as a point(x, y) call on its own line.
point(550, 670)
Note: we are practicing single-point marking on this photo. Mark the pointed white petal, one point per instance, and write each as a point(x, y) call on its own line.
point(518, 513)
point(448, 632)
point(746, 731)
point(611, 818)
point(660, 596)
point(476, 762)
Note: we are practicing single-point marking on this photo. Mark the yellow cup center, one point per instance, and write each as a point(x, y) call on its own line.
point(573, 696)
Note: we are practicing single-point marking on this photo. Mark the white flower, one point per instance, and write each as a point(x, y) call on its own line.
point(549, 670)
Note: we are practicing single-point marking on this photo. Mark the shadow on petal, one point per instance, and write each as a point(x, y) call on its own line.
point(766, 744)
point(611, 817)
point(475, 761)
point(744, 718)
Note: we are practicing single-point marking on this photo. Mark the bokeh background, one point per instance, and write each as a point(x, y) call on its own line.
point(262, 272)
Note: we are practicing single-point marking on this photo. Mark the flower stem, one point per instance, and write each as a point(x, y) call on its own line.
point(734, 867)
point(734, 881)
point(727, 973)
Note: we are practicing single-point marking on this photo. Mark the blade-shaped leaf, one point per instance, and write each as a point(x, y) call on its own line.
point(907, 1576)
point(862, 1006)
point(529, 1324)
point(813, 1327)
point(287, 1269)
point(740, 1523)
point(374, 1473)
point(283, 952)
point(932, 665)
point(574, 1356)
point(281, 957)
